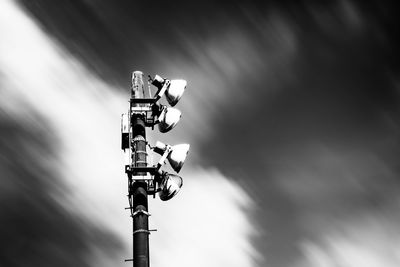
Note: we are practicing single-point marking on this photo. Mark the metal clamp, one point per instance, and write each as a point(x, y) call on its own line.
point(141, 109)
point(142, 177)
point(140, 152)
point(141, 231)
point(151, 170)
point(139, 212)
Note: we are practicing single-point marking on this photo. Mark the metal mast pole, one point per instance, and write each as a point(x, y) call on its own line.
point(138, 189)
point(144, 180)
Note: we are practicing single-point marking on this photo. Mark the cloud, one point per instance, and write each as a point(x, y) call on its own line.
point(34, 220)
point(370, 240)
point(207, 223)
point(347, 206)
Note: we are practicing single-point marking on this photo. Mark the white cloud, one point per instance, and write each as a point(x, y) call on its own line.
point(207, 223)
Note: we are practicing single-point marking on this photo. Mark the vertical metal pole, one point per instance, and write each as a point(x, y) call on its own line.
point(138, 190)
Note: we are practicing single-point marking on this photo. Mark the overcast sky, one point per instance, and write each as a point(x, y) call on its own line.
point(291, 110)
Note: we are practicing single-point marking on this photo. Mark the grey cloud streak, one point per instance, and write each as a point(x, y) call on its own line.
point(342, 98)
point(36, 228)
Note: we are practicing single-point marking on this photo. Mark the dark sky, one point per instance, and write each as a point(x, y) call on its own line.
point(308, 120)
